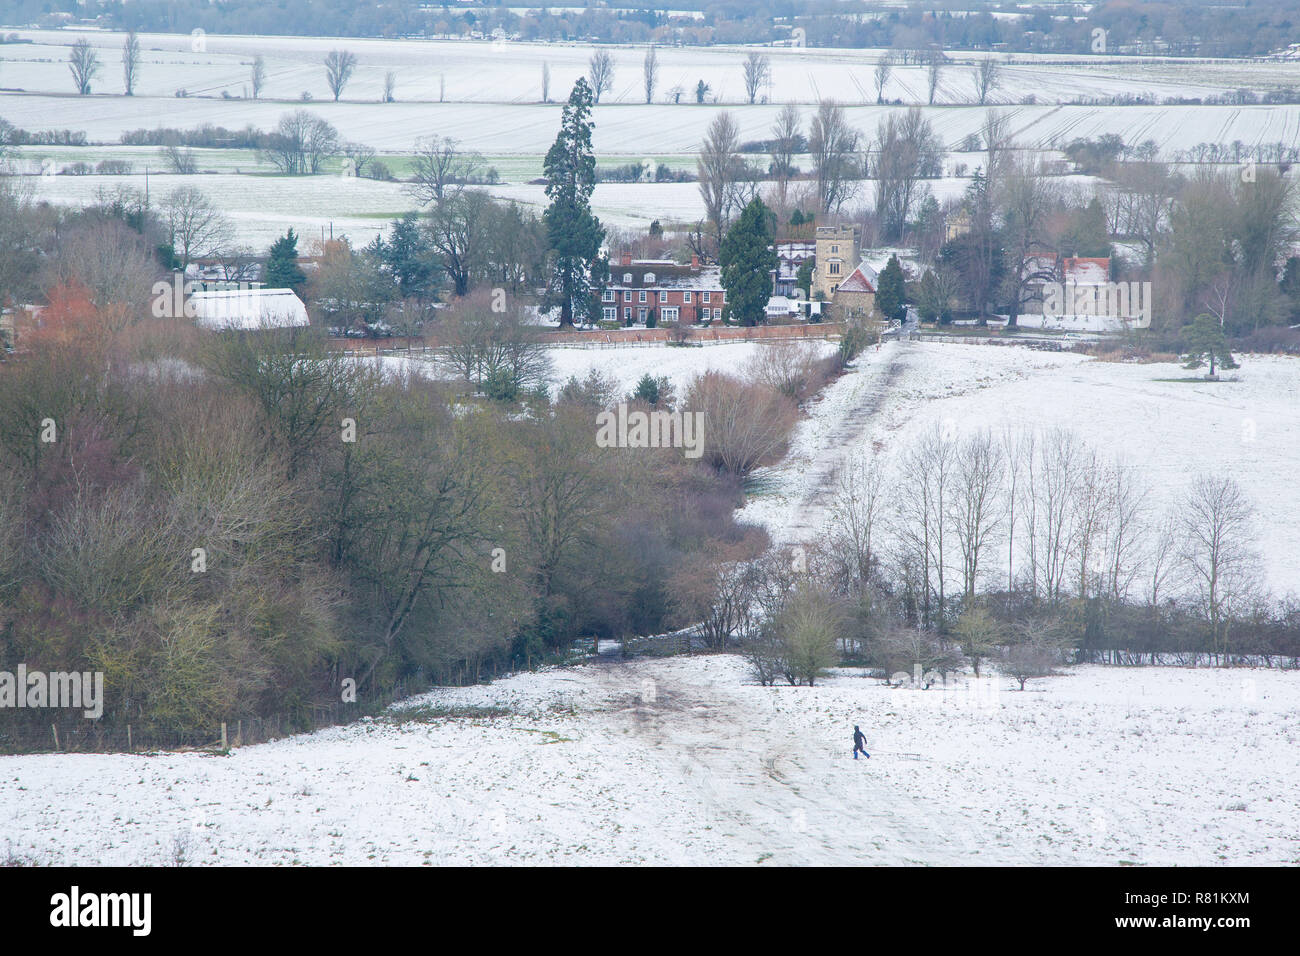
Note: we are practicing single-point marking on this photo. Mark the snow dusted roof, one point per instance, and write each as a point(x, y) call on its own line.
point(1075, 269)
point(1086, 271)
point(248, 309)
point(863, 279)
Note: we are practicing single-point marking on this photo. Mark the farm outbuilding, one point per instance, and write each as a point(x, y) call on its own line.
point(248, 309)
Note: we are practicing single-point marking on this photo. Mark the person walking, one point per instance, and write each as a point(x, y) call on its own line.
point(859, 743)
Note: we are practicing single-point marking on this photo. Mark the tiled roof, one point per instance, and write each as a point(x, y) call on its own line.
point(665, 277)
point(863, 279)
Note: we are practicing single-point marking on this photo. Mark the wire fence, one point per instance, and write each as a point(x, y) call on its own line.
point(76, 734)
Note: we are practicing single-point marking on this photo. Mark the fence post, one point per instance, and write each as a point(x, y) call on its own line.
point(56, 736)
point(223, 735)
point(129, 749)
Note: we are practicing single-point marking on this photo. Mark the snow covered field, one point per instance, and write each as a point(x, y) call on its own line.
point(262, 207)
point(636, 130)
point(685, 761)
point(680, 365)
point(488, 94)
point(1151, 417)
point(487, 71)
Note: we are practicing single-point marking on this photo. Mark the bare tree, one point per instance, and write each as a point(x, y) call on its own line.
point(924, 517)
point(1161, 558)
point(1216, 520)
point(301, 143)
point(390, 86)
point(720, 596)
point(977, 506)
point(130, 62)
point(745, 423)
point(180, 160)
point(650, 73)
point(546, 82)
point(1036, 649)
point(195, 227)
point(1057, 472)
point(832, 143)
point(112, 262)
point(786, 136)
point(934, 71)
point(758, 70)
point(238, 263)
point(257, 75)
point(788, 367)
point(83, 61)
point(996, 138)
point(1091, 509)
point(360, 156)
point(855, 517)
point(600, 70)
point(1126, 523)
point(718, 167)
point(884, 66)
point(459, 228)
point(1018, 452)
point(441, 168)
point(1028, 200)
point(339, 67)
point(908, 652)
point(906, 150)
point(987, 76)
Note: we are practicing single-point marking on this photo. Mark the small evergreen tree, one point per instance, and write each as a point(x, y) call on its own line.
point(891, 291)
point(282, 270)
point(654, 390)
point(803, 278)
point(1207, 345)
point(748, 259)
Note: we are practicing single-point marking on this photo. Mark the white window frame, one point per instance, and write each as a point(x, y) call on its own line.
point(706, 297)
point(663, 298)
point(610, 314)
point(669, 314)
point(627, 278)
point(641, 295)
point(608, 296)
point(686, 297)
point(649, 278)
point(627, 295)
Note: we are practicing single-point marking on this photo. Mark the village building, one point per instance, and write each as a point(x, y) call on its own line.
point(956, 226)
point(837, 256)
point(1078, 291)
point(248, 309)
point(791, 254)
point(855, 297)
point(662, 291)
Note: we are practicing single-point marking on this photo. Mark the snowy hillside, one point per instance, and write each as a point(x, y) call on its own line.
point(1152, 417)
point(684, 761)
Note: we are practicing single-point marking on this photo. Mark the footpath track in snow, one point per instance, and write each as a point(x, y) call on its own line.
point(686, 761)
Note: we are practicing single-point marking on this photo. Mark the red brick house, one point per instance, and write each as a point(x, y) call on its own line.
point(669, 291)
